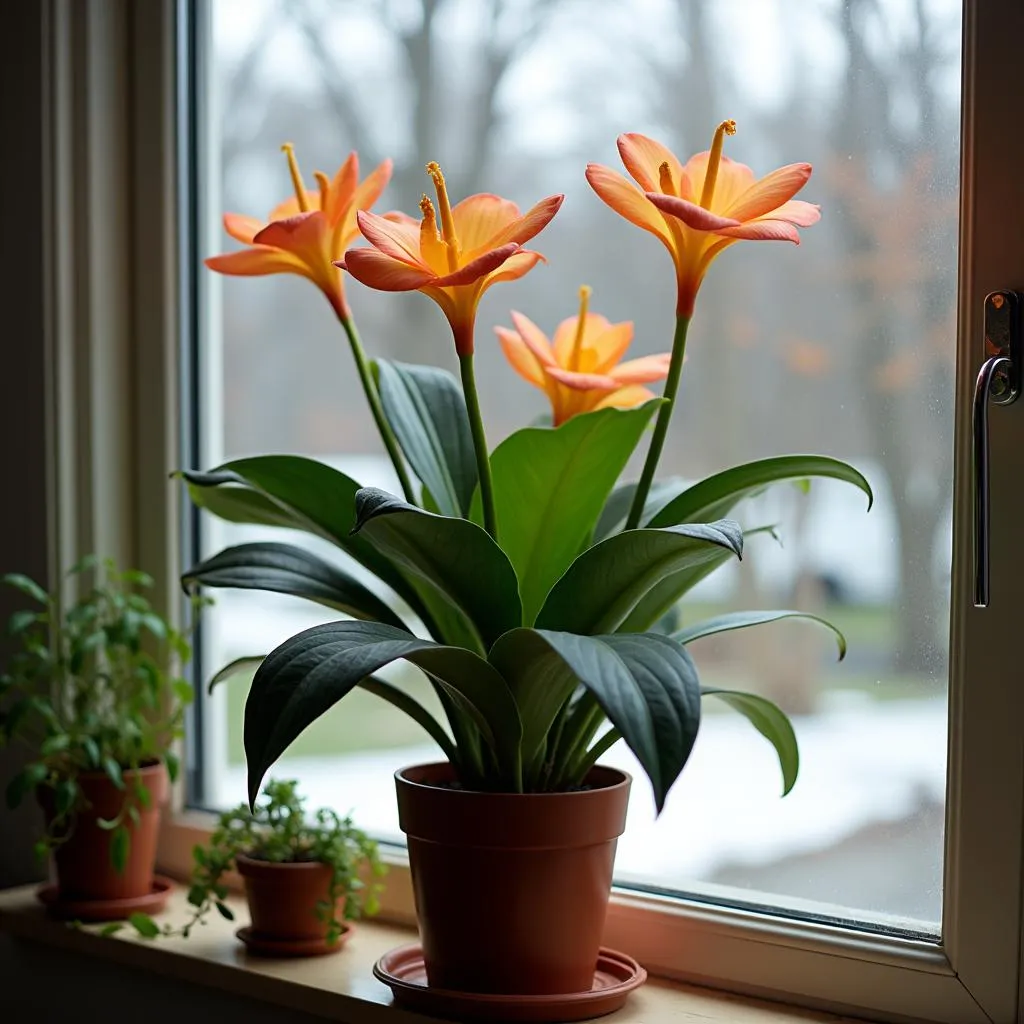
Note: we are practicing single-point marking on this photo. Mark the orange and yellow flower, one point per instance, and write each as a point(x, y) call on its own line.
point(580, 368)
point(701, 208)
point(479, 242)
point(307, 233)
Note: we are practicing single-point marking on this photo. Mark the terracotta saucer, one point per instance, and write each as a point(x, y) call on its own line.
point(405, 973)
point(92, 911)
point(292, 947)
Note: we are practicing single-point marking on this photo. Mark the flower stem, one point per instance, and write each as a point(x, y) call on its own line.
point(476, 426)
point(675, 370)
point(387, 435)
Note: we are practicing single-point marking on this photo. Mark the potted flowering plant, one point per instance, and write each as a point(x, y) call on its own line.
point(530, 586)
point(94, 690)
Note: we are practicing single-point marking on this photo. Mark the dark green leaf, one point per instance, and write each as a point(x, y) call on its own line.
point(224, 910)
point(427, 412)
point(92, 751)
point(144, 925)
point(249, 663)
point(55, 744)
point(111, 929)
point(416, 711)
point(606, 582)
point(455, 557)
point(197, 894)
point(27, 586)
point(20, 621)
point(113, 770)
point(65, 793)
point(312, 671)
point(25, 782)
point(741, 620)
point(173, 765)
point(717, 495)
point(616, 509)
point(550, 487)
point(143, 795)
point(120, 843)
point(771, 723)
point(286, 569)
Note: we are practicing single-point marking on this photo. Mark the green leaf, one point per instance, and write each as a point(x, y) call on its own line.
point(197, 893)
point(416, 711)
point(647, 686)
point(110, 929)
point(173, 765)
point(455, 557)
point(183, 691)
point(25, 782)
point(717, 495)
point(224, 910)
point(65, 793)
point(144, 925)
point(771, 723)
point(312, 671)
point(92, 751)
point(427, 412)
point(27, 586)
point(550, 487)
point(113, 770)
point(55, 744)
point(120, 843)
point(741, 620)
point(606, 582)
point(108, 824)
point(20, 621)
point(616, 509)
point(234, 668)
point(286, 569)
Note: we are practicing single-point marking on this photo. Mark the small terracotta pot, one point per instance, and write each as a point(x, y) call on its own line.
point(283, 897)
point(511, 889)
point(83, 863)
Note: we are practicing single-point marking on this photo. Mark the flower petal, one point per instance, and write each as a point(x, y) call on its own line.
point(242, 229)
point(627, 201)
point(564, 340)
point(480, 218)
point(478, 268)
point(523, 361)
point(796, 211)
point(642, 370)
point(514, 267)
point(732, 181)
point(365, 195)
point(625, 398)
point(610, 345)
point(304, 235)
point(582, 381)
point(763, 231)
point(522, 229)
point(768, 194)
point(344, 184)
point(378, 270)
point(534, 339)
point(643, 157)
point(254, 262)
point(290, 207)
point(692, 215)
point(398, 239)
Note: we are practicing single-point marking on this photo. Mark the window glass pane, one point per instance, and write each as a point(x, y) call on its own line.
point(843, 346)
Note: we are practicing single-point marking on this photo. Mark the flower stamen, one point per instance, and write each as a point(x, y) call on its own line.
point(297, 182)
point(325, 188)
point(665, 182)
point(444, 207)
point(581, 320)
point(714, 159)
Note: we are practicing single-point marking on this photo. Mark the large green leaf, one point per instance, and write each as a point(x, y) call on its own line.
point(427, 411)
point(286, 569)
point(550, 487)
point(616, 509)
point(455, 557)
point(647, 686)
point(312, 671)
point(771, 723)
point(223, 495)
point(717, 495)
point(742, 620)
point(604, 585)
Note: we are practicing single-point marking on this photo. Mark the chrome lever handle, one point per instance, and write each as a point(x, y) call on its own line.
point(998, 382)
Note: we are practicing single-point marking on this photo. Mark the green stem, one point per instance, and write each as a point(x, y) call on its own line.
point(661, 425)
point(387, 435)
point(476, 426)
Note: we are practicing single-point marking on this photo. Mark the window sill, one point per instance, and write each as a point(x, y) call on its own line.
point(335, 987)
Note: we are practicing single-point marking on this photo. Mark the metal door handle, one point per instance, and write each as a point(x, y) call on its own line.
point(998, 382)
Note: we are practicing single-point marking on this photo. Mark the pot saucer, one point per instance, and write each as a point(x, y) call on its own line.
point(262, 946)
point(93, 911)
point(404, 972)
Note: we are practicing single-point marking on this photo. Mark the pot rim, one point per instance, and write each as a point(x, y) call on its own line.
point(254, 865)
point(147, 768)
point(624, 780)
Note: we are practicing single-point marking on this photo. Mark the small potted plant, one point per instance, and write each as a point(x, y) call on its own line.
point(303, 878)
point(94, 689)
point(535, 589)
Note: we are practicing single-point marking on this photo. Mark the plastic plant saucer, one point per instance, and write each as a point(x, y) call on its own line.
point(262, 946)
point(94, 911)
point(404, 972)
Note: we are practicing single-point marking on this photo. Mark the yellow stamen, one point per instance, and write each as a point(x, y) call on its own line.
point(714, 159)
point(445, 209)
point(428, 226)
point(297, 183)
point(665, 181)
point(325, 187)
point(581, 322)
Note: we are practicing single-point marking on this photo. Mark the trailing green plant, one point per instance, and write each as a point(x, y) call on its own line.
point(279, 831)
point(94, 686)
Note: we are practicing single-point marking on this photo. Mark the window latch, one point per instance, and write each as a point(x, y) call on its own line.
point(998, 383)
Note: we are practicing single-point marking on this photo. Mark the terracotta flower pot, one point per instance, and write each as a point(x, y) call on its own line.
point(511, 890)
point(83, 863)
point(283, 898)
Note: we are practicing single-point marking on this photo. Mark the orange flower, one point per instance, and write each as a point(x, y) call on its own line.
point(699, 209)
point(580, 370)
point(480, 242)
point(308, 232)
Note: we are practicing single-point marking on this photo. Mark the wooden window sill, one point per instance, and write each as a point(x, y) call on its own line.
point(339, 987)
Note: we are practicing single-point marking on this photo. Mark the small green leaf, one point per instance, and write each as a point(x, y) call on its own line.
point(197, 895)
point(173, 765)
point(65, 794)
point(133, 814)
point(143, 795)
point(55, 744)
point(144, 925)
point(225, 911)
point(110, 929)
point(25, 782)
point(249, 663)
point(20, 621)
point(108, 824)
point(27, 586)
point(92, 751)
point(183, 692)
point(113, 770)
point(120, 843)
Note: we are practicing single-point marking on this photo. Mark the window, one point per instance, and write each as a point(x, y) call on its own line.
point(867, 858)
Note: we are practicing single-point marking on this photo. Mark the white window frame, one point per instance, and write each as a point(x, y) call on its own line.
point(114, 284)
